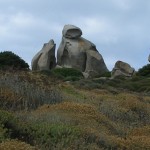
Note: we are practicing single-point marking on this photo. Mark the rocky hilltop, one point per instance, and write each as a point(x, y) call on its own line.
point(74, 52)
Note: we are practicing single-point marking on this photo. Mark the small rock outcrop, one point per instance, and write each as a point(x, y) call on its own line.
point(149, 58)
point(45, 58)
point(122, 69)
point(79, 53)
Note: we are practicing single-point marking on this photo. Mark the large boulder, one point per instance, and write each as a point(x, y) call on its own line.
point(122, 69)
point(79, 53)
point(149, 58)
point(45, 58)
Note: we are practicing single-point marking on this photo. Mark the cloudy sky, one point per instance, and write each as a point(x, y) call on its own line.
point(120, 29)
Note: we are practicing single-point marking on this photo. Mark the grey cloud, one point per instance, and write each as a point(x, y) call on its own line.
point(119, 28)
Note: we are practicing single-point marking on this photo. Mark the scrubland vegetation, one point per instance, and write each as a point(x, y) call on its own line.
point(43, 111)
point(10, 60)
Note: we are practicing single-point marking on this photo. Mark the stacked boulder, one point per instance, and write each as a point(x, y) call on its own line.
point(73, 52)
point(122, 69)
point(45, 58)
point(79, 53)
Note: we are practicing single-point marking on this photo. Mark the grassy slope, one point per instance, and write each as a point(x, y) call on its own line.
point(51, 114)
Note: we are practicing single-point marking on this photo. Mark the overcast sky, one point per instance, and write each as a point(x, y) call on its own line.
point(120, 29)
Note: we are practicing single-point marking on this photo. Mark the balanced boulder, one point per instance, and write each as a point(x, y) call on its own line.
point(122, 69)
point(79, 53)
point(45, 58)
point(71, 31)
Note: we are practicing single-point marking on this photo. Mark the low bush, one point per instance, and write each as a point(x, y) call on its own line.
point(106, 74)
point(3, 133)
point(45, 135)
point(9, 60)
point(88, 84)
point(68, 74)
point(11, 127)
point(49, 136)
point(144, 71)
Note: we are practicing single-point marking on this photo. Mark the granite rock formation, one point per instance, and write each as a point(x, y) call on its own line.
point(79, 53)
point(45, 58)
point(149, 58)
point(71, 32)
point(122, 69)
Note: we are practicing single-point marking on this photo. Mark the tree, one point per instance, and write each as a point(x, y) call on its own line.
point(144, 71)
point(10, 60)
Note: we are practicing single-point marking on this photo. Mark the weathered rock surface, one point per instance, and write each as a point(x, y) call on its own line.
point(45, 58)
point(149, 58)
point(71, 31)
point(79, 53)
point(122, 69)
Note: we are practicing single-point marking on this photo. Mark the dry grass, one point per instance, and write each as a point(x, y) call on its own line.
point(107, 119)
point(27, 91)
point(16, 145)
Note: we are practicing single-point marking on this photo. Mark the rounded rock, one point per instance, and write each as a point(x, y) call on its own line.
point(71, 32)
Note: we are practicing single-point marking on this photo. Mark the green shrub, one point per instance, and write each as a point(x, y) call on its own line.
point(44, 72)
point(88, 84)
point(72, 78)
point(7, 123)
point(3, 133)
point(68, 74)
point(49, 136)
point(12, 127)
point(144, 71)
point(106, 74)
point(137, 78)
point(7, 120)
point(10, 60)
point(45, 135)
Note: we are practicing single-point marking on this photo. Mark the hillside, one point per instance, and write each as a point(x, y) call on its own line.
point(39, 111)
